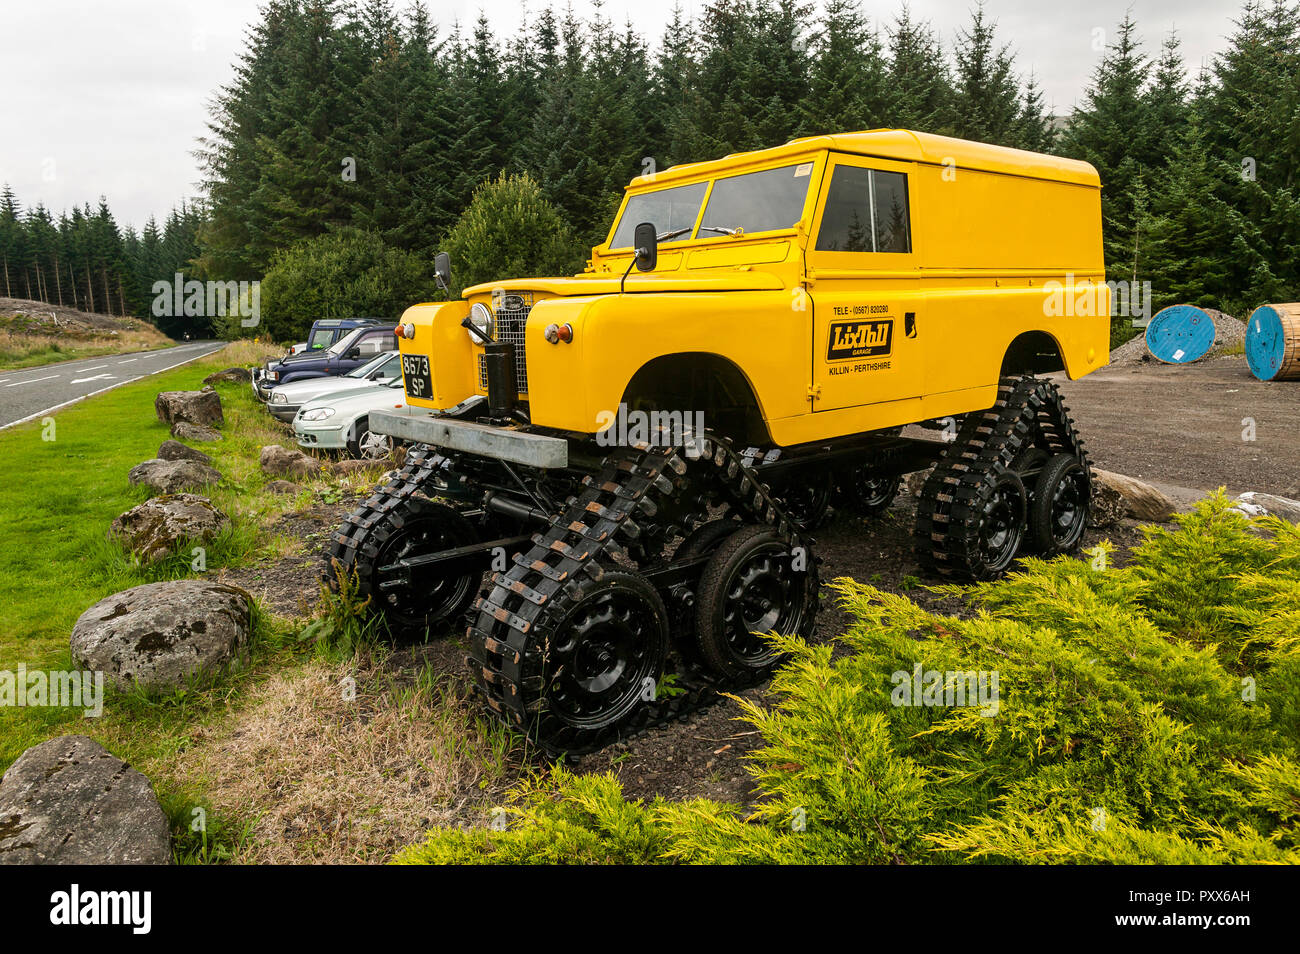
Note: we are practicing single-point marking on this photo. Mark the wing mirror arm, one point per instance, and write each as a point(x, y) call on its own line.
point(645, 254)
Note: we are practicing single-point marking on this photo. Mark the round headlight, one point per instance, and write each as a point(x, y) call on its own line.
point(318, 414)
point(408, 330)
point(481, 318)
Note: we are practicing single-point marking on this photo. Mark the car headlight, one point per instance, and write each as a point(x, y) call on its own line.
point(318, 414)
point(273, 375)
point(277, 397)
point(481, 318)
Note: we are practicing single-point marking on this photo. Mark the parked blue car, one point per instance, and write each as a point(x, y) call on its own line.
point(344, 355)
point(325, 331)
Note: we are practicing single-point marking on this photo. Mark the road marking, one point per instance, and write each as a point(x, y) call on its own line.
point(31, 380)
point(93, 377)
point(139, 377)
point(128, 360)
point(95, 368)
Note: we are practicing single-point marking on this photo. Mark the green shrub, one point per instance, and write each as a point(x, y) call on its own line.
point(343, 274)
point(510, 230)
point(1145, 714)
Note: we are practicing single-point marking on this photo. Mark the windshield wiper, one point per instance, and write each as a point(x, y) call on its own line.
point(662, 236)
point(738, 230)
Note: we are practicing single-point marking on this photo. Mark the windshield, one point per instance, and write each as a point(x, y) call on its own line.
point(370, 366)
point(757, 202)
point(752, 202)
point(668, 209)
point(322, 337)
point(343, 344)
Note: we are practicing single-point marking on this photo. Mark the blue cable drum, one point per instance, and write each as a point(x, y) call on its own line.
point(1180, 333)
point(1273, 342)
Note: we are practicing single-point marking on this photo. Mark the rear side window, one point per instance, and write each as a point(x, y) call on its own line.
point(373, 344)
point(866, 211)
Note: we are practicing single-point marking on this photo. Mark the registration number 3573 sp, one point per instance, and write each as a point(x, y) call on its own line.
point(415, 376)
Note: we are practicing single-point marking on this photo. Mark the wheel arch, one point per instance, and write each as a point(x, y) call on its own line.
point(701, 381)
point(1033, 352)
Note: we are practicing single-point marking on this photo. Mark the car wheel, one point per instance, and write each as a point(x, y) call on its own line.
point(366, 444)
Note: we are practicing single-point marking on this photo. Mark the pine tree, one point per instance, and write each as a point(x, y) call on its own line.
point(847, 84)
point(986, 95)
point(918, 78)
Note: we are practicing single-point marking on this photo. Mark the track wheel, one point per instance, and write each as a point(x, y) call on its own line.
point(605, 655)
point(755, 582)
point(994, 527)
point(1058, 512)
point(806, 498)
point(867, 491)
point(413, 528)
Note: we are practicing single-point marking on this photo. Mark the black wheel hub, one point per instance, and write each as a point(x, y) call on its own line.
point(436, 595)
point(603, 660)
point(761, 597)
point(1001, 525)
point(1070, 500)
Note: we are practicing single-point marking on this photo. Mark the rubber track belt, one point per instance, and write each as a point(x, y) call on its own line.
point(1028, 411)
point(514, 618)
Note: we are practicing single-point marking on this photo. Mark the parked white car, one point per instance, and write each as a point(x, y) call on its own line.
point(286, 399)
point(340, 421)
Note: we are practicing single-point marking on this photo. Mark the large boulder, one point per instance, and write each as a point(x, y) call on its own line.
point(158, 526)
point(175, 450)
point(70, 801)
point(162, 634)
point(280, 461)
point(230, 374)
point(194, 432)
point(1107, 505)
point(171, 476)
point(196, 407)
point(1141, 500)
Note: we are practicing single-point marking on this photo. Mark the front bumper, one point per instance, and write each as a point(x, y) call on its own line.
point(500, 443)
point(322, 438)
point(283, 412)
point(262, 385)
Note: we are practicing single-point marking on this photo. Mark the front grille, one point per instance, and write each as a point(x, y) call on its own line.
point(510, 313)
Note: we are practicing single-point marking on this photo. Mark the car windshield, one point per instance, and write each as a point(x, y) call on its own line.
point(343, 344)
point(668, 209)
point(753, 202)
point(371, 366)
point(322, 337)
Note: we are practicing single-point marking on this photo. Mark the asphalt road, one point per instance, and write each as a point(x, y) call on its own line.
point(34, 392)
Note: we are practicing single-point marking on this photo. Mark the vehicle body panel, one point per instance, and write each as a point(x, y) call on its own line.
point(1000, 243)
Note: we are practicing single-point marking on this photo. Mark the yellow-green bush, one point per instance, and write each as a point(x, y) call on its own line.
point(1145, 714)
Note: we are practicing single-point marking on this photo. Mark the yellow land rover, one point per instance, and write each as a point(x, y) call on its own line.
point(616, 474)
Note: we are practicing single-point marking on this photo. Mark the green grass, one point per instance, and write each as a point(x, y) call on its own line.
point(58, 498)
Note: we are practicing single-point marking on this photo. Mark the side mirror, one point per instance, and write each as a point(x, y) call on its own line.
point(442, 270)
point(647, 247)
point(354, 352)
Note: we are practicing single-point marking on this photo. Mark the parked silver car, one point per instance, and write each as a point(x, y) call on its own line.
point(286, 399)
point(340, 421)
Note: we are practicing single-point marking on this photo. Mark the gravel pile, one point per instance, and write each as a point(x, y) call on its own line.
point(1228, 332)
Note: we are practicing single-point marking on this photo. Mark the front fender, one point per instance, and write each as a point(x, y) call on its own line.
point(763, 333)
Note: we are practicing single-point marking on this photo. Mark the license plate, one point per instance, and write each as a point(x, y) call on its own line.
point(415, 376)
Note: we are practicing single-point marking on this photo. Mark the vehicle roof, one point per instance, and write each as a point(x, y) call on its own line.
point(902, 145)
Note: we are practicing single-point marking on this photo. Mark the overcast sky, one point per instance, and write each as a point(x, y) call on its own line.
point(109, 96)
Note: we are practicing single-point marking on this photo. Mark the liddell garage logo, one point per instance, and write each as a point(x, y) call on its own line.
point(860, 339)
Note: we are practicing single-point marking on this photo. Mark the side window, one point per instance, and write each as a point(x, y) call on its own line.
point(866, 211)
point(372, 344)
